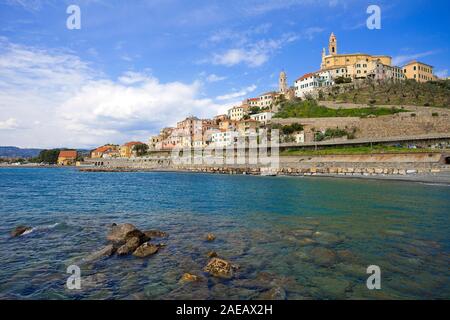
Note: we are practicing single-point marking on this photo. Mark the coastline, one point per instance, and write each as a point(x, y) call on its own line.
point(441, 178)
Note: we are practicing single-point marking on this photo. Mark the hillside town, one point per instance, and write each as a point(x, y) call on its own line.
point(255, 113)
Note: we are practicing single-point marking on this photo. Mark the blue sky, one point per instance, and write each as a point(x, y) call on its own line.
point(138, 65)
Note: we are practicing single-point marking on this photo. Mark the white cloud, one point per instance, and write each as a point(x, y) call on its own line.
point(253, 54)
point(402, 59)
point(237, 94)
point(63, 101)
point(8, 124)
point(214, 78)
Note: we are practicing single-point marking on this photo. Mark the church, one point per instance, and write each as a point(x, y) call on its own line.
point(335, 60)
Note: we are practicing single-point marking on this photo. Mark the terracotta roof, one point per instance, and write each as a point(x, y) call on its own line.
point(102, 149)
point(305, 76)
point(67, 154)
point(132, 143)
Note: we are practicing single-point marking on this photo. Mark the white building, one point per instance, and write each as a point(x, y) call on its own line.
point(236, 113)
point(224, 138)
point(306, 85)
point(262, 117)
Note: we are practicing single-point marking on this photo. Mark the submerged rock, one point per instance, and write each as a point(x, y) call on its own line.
point(102, 253)
point(187, 277)
point(145, 250)
point(305, 242)
point(19, 230)
point(276, 293)
point(219, 268)
point(346, 255)
point(323, 256)
point(210, 237)
point(155, 234)
point(326, 238)
point(129, 247)
point(123, 232)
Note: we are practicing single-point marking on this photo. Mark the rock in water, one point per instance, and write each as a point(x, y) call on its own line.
point(123, 232)
point(277, 293)
point(211, 254)
point(155, 234)
point(219, 268)
point(187, 277)
point(104, 252)
point(130, 246)
point(145, 250)
point(19, 230)
point(210, 237)
point(323, 256)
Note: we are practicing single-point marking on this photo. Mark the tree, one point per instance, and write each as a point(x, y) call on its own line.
point(49, 156)
point(141, 149)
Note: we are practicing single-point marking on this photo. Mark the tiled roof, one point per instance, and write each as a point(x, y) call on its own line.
point(305, 76)
point(68, 154)
point(132, 143)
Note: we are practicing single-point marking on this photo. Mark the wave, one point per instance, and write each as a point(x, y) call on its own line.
point(41, 228)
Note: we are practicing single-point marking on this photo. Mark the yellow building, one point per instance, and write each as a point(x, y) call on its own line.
point(335, 60)
point(67, 157)
point(419, 71)
point(126, 151)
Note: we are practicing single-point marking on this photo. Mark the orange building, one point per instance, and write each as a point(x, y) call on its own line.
point(127, 149)
point(67, 157)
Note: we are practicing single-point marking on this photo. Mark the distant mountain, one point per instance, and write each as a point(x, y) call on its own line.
point(14, 152)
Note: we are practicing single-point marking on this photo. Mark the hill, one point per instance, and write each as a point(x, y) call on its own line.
point(14, 152)
point(409, 92)
point(311, 109)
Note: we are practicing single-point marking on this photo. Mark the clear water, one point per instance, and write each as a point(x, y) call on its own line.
point(260, 224)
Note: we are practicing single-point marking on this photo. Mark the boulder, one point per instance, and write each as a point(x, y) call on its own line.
point(122, 232)
point(155, 234)
point(129, 247)
point(19, 230)
point(187, 277)
point(210, 237)
point(145, 250)
point(102, 253)
point(323, 256)
point(219, 268)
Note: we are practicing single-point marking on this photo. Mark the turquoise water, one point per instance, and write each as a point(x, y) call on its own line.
point(271, 227)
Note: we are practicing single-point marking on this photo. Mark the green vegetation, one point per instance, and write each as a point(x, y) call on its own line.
point(141, 149)
point(311, 109)
point(334, 133)
point(336, 150)
point(341, 79)
point(288, 129)
point(47, 156)
point(409, 92)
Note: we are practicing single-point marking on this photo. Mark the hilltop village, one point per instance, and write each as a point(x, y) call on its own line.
point(309, 115)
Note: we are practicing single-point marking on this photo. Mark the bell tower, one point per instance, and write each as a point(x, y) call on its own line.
point(332, 45)
point(282, 83)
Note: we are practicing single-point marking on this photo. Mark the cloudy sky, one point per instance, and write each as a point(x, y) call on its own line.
point(138, 65)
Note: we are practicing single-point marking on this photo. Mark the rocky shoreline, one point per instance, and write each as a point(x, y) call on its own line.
point(428, 175)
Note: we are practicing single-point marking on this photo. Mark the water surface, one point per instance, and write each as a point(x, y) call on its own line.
point(273, 228)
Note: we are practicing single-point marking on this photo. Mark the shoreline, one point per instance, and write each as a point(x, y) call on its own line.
point(442, 178)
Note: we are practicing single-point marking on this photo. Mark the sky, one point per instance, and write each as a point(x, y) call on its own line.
point(136, 66)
